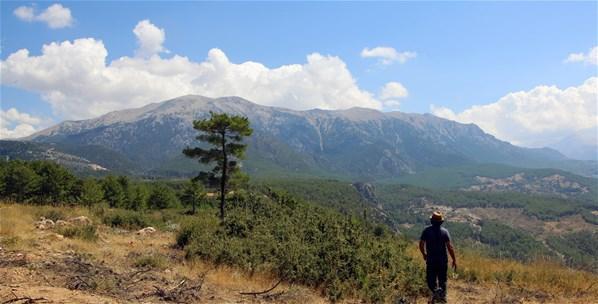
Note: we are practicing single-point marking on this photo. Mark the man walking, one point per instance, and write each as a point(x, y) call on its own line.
point(433, 244)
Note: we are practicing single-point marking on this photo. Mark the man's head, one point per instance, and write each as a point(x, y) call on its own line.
point(436, 218)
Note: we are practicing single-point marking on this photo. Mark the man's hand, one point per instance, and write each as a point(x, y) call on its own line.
point(454, 265)
point(422, 249)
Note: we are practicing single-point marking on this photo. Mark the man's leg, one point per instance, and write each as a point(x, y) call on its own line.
point(442, 270)
point(431, 277)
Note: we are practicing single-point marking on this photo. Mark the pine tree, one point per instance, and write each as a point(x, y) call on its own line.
point(225, 134)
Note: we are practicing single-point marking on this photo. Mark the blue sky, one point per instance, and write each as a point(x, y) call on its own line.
point(467, 54)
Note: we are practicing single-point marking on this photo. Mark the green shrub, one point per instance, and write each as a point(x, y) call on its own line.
point(161, 197)
point(307, 245)
point(156, 261)
point(126, 219)
point(10, 241)
point(86, 232)
point(51, 214)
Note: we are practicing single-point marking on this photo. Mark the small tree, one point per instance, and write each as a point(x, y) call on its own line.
point(113, 192)
point(193, 194)
point(161, 197)
point(90, 192)
point(56, 182)
point(20, 182)
point(224, 133)
point(138, 195)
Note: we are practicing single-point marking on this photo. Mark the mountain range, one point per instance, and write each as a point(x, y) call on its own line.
point(582, 144)
point(355, 143)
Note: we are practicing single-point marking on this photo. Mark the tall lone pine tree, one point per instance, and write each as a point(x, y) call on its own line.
point(224, 133)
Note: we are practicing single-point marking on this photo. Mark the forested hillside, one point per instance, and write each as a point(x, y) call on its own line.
point(498, 224)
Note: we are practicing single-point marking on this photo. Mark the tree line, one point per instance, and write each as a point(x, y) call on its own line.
point(45, 182)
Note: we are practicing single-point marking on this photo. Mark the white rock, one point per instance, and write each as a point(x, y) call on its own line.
point(61, 223)
point(44, 224)
point(80, 220)
point(146, 231)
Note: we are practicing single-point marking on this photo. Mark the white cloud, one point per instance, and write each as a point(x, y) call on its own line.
point(393, 90)
point(534, 118)
point(55, 16)
point(391, 93)
point(591, 57)
point(25, 13)
point(149, 38)
point(387, 55)
point(78, 82)
point(14, 124)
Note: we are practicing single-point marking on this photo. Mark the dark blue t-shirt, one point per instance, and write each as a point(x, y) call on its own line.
point(436, 238)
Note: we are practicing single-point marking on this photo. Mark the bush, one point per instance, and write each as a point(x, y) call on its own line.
point(307, 245)
point(162, 197)
point(51, 214)
point(150, 261)
point(126, 219)
point(86, 232)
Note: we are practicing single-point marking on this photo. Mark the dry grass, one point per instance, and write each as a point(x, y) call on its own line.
point(122, 250)
point(479, 279)
point(15, 225)
point(539, 279)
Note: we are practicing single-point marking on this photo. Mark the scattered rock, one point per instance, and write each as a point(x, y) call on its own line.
point(173, 227)
point(146, 231)
point(56, 236)
point(44, 223)
point(61, 223)
point(80, 220)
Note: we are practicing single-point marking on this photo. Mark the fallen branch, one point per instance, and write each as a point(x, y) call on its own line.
point(181, 293)
point(255, 293)
point(28, 300)
point(132, 275)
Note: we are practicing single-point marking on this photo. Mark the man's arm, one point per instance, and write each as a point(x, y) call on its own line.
point(422, 249)
point(451, 251)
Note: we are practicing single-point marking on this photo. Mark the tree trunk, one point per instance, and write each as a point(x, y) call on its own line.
point(223, 177)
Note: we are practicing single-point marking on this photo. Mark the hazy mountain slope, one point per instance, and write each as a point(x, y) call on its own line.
point(581, 145)
point(80, 158)
point(360, 143)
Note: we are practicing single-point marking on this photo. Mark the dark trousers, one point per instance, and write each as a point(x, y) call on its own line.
point(436, 273)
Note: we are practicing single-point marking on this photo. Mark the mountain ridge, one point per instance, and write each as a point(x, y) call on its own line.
point(357, 142)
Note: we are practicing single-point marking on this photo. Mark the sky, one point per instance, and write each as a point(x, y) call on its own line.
point(524, 72)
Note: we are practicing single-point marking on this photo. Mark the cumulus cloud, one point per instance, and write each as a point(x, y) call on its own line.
point(391, 93)
point(393, 90)
point(15, 124)
point(55, 16)
point(149, 39)
point(591, 57)
point(78, 82)
point(25, 13)
point(387, 55)
point(534, 118)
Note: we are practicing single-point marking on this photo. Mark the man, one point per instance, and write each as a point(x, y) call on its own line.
point(433, 245)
